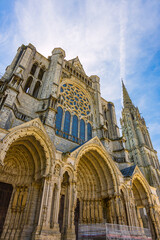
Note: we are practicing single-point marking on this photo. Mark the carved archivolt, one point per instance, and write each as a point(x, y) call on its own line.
point(30, 143)
point(142, 186)
point(97, 175)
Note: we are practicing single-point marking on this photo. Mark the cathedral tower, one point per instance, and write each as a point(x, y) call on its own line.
point(138, 142)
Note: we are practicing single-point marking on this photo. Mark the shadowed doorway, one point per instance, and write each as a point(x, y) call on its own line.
point(5, 196)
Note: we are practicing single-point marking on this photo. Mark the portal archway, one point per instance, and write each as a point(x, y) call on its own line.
point(143, 203)
point(97, 186)
point(25, 164)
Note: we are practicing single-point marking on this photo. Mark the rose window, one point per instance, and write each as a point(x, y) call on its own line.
point(75, 99)
point(74, 105)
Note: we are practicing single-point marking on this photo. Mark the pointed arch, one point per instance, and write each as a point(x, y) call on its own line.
point(34, 67)
point(109, 170)
point(144, 202)
point(59, 116)
point(67, 120)
point(28, 84)
point(33, 143)
point(89, 131)
point(75, 126)
point(82, 129)
point(36, 89)
point(41, 73)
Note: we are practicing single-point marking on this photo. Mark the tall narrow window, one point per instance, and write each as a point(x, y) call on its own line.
point(33, 69)
point(41, 73)
point(89, 131)
point(67, 122)
point(82, 129)
point(36, 89)
point(28, 84)
point(75, 126)
point(59, 118)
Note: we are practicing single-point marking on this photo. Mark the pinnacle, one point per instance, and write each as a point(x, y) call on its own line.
point(126, 99)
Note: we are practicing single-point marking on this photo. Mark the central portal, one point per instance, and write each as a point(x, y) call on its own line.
point(94, 184)
point(5, 196)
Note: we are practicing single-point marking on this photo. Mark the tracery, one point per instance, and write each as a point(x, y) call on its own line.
point(75, 99)
point(73, 114)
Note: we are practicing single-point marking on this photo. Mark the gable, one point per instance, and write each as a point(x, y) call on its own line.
point(76, 63)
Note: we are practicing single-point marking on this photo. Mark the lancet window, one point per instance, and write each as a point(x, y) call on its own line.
point(89, 131)
point(75, 126)
point(41, 73)
point(28, 84)
point(33, 69)
point(36, 89)
point(82, 130)
point(67, 122)
point(59, 118)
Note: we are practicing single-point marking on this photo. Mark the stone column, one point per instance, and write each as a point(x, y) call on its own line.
point(100, 212)
point(88, 211)
point(139, 218)
point(84, 211)
point(81, 212)
point(51, 188)
point(43, 209)
point(72, 197)
point(56, 206)
point(118, 209)
point(113, 211)
point(128, 212)
point(31, 89)
point(96, 212)
point(153, 222)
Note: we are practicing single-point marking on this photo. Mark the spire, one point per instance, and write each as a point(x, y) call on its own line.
point(126, 99)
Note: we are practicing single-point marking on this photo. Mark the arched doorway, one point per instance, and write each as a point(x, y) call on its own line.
point(145, 215)
point(24, 166)
point(97, 188)
point(5, 196)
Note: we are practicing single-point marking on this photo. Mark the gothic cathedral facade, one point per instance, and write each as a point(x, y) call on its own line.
point(62, 159)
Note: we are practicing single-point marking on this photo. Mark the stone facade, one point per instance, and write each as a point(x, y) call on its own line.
point(62, 160)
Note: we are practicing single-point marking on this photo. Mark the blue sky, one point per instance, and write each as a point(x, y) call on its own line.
point(113, 39)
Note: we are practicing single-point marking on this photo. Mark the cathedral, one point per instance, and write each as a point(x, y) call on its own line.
point(63, 161)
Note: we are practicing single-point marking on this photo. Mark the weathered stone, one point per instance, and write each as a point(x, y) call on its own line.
point(62, 159)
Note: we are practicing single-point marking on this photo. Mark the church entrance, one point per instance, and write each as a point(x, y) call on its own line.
point(95, 189)
point(20, 188)
point(144, 212)
point(5, 196)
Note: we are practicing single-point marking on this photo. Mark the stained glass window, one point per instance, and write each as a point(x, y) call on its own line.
point(89, 131)
point(75, 126)
point(75, 99)
point(67, 122)
point(59, 118)
point(82, 129)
